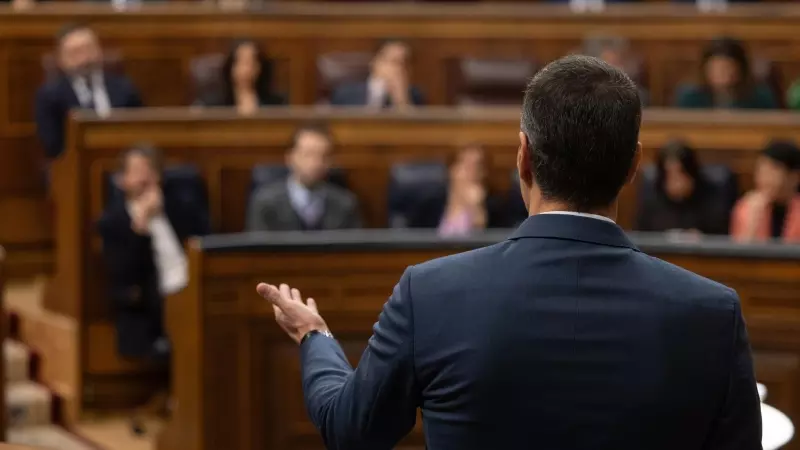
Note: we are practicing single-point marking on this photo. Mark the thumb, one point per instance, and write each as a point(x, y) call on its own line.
point(312, 305)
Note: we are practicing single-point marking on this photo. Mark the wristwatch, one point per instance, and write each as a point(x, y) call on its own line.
point(325, 333)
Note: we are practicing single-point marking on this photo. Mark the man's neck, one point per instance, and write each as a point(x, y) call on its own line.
point(549, 207)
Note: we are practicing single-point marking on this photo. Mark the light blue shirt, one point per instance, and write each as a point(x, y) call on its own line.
point(308, 204)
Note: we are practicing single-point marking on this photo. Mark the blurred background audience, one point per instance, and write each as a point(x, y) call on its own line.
point(726, 80)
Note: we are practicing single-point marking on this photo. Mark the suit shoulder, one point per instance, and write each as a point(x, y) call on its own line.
point(49, 89)
point(342, 195)
point(270, 192)
point(457, 263)
point(687, 285)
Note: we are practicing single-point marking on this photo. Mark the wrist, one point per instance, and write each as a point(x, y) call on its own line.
point(311, 333)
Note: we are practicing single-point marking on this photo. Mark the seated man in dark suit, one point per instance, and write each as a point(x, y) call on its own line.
point(388, 84)
point(304, 201)
point(82, 83)
point(142, 234)
point(142, 246)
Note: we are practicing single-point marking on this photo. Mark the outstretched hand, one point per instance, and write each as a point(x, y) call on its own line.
point(292, 314)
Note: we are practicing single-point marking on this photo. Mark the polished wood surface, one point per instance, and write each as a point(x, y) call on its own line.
point(158, 42)
point(225, 147)
point(230, 356)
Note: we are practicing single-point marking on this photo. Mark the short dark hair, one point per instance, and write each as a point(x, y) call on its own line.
point(146, 150)
point(784, 153)
point(581, 117)
point(69, 28)
point(318, 128)
point(385, 42)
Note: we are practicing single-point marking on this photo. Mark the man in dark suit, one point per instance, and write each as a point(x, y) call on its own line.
point(387, 85)
point(305, 200)
point(81, 83)
point(565, 336)
point(142, 233)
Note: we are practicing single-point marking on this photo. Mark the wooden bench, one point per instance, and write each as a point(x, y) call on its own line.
point(225, 147)
point(236, 376)
point(158, 42)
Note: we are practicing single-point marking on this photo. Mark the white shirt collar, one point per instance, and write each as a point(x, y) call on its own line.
point(573, 213)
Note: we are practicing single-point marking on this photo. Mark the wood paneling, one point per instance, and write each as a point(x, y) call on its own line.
point(157, 43)
point(230, 356)
point(225, 147)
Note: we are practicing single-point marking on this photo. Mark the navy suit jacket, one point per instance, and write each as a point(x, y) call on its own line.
point(356, 94)
point(565, 336)
point(56, 98)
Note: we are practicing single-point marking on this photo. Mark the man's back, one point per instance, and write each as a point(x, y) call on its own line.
point(566, 337)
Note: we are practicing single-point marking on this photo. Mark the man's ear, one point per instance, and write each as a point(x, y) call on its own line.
point(524, 161)
point(637, 160)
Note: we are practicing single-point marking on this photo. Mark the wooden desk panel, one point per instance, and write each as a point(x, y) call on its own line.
point(158, 42)
point(225, 147)
point(230, 356)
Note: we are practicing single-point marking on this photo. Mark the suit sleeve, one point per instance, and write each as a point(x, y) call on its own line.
point(738, 426)
point(373, 407)
point(49, 124)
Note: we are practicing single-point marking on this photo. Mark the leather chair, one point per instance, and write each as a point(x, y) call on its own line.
point(479, 81)
point(765, 71)
point(410, 183)
point(336, 68)
point(206, 73)
point(112, 62)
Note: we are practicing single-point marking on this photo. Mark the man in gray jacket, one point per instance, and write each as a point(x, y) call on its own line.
point(305, 200)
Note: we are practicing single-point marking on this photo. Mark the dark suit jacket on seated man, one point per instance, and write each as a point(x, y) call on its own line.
point(565, 336)
point(304, 201)
point(142, 248)
point(82, 84)
point(388, 84)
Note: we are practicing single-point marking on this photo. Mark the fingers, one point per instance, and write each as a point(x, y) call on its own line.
point(312, 305)
point(272, 294)
point(296, 296)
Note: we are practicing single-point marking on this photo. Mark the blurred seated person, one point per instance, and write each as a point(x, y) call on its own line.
point(246, 80)
point(683, 199)
point(466, 206)
point(142, 233)
point(772, 209)
point(616, 51)
point(81, 83)
point(727, 81)
point(388, 84)
point(304, 200)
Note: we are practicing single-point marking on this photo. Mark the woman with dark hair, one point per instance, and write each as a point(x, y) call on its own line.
point(246, 80)
point(466, 206)
point(727, 81)
point(682, 199)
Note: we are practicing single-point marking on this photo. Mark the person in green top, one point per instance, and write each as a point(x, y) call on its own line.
point(727, 81)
